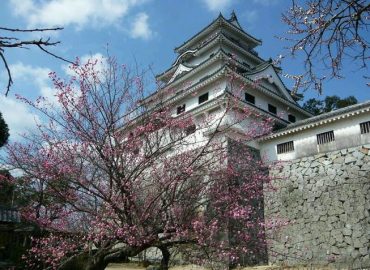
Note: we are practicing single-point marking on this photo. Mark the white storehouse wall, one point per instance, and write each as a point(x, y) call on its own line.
point(346, 131)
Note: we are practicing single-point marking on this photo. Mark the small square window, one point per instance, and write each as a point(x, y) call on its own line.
point(181, 109)
point(203, 98)
point(249, 98)
point(365, 127)
point(272, 109)
point(291, 118)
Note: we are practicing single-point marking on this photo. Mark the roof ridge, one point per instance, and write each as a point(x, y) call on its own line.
point(220, 18)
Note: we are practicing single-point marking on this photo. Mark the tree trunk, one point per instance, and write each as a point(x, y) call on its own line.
point(165, 257)
point(100, 260)
point(83, 261)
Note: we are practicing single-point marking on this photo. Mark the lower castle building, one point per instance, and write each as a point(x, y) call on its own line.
point(323, 190)
point(322, 162)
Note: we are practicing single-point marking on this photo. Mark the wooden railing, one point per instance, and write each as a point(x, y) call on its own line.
point(8, 214)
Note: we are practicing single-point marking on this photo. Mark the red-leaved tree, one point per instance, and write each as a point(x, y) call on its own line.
point(112, 175)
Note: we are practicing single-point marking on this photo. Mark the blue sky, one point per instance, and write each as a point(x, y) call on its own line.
point(145, 31)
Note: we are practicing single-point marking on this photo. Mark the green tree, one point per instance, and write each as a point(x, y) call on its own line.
point(6, 189)
point(330, 103)
point(4, 131)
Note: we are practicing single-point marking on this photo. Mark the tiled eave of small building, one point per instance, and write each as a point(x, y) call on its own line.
point(321, 120)
point(216, 23)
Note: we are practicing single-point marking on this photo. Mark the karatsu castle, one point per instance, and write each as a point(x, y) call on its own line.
point(326, 190)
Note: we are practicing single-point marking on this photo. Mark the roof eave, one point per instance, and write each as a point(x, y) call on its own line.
point(320, 120)
point(204, 31)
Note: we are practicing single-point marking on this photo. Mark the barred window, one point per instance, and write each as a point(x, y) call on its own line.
point(325, 137)
point(285, 147)
point(365, 127)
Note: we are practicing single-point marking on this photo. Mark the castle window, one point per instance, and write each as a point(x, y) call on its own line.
point(291, 118)
point(203, 98)
point(181, 109)
point(272, 109)
point(365, 127)
point(249, 98)
point(325, 137)
point(285, 147)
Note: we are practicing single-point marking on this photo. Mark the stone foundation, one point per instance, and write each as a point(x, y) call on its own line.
point(326, 201)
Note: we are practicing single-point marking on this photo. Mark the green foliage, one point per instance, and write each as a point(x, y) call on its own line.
point(330, 103)
point(6, 189)
point(4, 131)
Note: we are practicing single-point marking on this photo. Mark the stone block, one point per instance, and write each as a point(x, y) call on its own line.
point(348, 240)
point(364, 251)
point(364, 150)
point(355, 253)
point(365, 167)
point(357, 243)
point(346, 231)
point(349, 159)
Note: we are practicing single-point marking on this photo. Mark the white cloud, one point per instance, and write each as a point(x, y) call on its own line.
point(217, 5)
point(140, 27)
point(38, 76)
point(18, 116)
point(80, 13)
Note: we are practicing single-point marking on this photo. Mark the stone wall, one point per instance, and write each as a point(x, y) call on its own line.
point(323, 205)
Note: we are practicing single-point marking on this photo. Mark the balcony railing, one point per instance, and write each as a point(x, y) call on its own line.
point(9, 215)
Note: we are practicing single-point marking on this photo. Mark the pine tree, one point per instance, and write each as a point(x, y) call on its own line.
point(4, 131)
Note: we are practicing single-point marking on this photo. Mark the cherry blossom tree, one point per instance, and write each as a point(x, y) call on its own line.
point(113, 174)
point(326, 33)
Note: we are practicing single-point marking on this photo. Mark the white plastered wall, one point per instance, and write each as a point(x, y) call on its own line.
point(346, 131)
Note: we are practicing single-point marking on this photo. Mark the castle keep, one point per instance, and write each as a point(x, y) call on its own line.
point(323, 173)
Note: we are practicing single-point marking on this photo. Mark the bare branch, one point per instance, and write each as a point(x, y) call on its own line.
point(10, 80)
point(327, 32)
point(7, 42)
point(31, 30)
